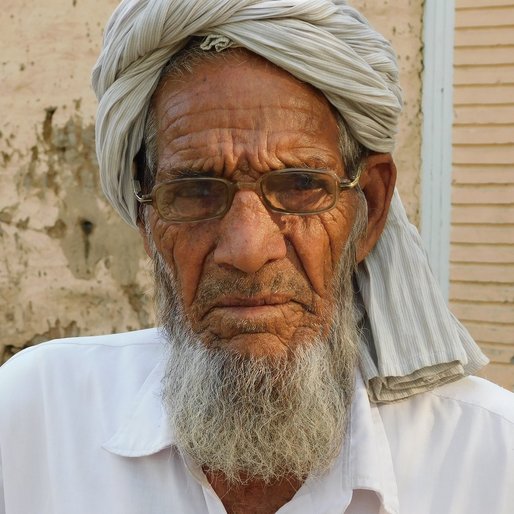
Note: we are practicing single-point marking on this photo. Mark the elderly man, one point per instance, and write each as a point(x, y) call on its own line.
point(304, 359)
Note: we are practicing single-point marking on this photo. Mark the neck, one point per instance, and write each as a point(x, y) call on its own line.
point(253, 496)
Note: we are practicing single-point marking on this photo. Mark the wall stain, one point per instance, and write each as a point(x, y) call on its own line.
point(87, 229)
point(23, 224)
point(57, 230)
point(6, 215)
point(47, 124)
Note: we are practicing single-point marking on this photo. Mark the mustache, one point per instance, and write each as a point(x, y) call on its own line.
point(214, 289)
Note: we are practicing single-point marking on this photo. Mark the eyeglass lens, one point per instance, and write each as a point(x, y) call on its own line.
point(193, 199)
point(299, 191)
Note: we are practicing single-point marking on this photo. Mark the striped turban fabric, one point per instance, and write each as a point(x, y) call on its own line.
point(411, 342)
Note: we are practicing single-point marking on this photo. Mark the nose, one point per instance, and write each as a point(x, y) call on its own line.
point(249, 237)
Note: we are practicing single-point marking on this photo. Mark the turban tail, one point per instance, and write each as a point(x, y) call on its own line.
point(413, 341)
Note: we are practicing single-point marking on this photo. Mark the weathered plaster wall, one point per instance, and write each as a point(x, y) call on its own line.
point(68, 265)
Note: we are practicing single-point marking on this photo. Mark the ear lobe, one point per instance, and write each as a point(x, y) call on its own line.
point(377, 183)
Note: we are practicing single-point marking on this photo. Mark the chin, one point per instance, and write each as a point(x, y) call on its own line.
point(256, 346)
point(260, 345)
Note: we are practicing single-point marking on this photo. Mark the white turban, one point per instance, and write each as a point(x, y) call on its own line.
point(412, 342)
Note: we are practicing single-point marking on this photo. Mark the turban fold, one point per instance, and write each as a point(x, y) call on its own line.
point(411, 341)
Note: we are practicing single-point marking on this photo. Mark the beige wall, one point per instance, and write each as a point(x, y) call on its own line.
point(482, 235)
point(68, 265)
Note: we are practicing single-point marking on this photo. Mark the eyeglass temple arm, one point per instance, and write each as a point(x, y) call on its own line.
point(140, 197)
point(354, 182)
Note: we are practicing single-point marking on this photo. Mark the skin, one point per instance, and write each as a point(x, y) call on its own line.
point(256, 282)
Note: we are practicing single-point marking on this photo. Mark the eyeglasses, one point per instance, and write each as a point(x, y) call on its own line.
point(289, 191)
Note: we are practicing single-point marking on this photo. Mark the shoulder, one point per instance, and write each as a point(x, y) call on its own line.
point(480, 395)
point(77, 364)
point(88, 348)
point(124, 339)
point(467, 399)
point(471, 414)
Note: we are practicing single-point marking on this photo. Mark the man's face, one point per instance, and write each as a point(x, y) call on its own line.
point(254, 282)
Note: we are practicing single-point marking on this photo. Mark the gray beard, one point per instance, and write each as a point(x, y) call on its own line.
point(261, 418)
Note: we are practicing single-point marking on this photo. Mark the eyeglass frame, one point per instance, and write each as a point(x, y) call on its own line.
point(234, 187)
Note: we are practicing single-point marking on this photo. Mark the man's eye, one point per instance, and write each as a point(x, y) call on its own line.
point(304, 182)
point(299, 182)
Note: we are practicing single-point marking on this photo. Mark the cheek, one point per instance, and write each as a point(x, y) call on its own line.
point(185, 248)
point(319, 242)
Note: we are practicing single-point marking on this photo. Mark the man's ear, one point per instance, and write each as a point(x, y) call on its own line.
point(377, 183)
point(144, 234)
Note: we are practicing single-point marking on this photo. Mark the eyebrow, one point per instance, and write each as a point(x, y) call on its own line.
point(184, 172)
point(314, 162)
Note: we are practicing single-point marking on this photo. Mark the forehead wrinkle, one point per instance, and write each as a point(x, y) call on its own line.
point(229, 157)
point(257, 121)
point(226, 144)
point(189, 100)
point(268, 155)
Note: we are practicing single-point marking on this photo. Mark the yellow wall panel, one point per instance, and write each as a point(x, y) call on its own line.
point(473, 292)
point(482, 4)
point(484, 36)
point(481, 74)
point(501, 254)
point(488, 234)
point(487, 16)
point(484, 94)
point(482, 272)
point(482, 231)
point(482, 174)
point(485, 134)
point(483, 214)
point(483, 114)
point(488, 313)
point(484, 56)
point(497, 339)
point(485, 194)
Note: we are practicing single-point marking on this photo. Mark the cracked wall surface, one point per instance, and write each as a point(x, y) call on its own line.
point(68, 265)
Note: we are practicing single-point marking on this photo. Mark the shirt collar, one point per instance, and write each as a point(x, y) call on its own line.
point(365, 461)
point(366, 456)
point(146, 430)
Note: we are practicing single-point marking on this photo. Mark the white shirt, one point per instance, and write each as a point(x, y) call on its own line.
point(83, 431)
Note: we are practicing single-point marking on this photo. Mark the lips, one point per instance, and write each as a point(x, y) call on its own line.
point(257, 308)
point(256, 314)
point(256, 301)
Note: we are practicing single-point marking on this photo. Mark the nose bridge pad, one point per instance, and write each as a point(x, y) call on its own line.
point(246, 186)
